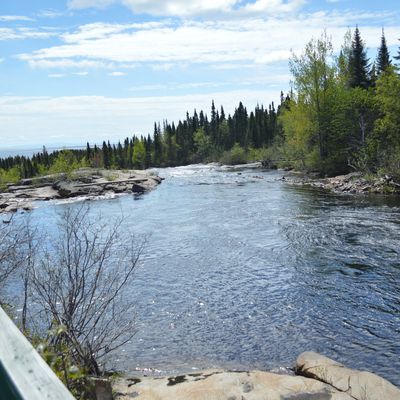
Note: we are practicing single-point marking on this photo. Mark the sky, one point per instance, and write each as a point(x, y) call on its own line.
point(73, 71)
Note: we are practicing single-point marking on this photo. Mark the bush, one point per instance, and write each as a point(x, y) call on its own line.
point(66, 162)
point(12, 175)
point(236, 155)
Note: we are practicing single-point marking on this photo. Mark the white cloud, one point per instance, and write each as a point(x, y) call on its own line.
point(50, 13)
point(8, 18)
point(93, 31)
point(65, 63)
point(273, 56)
point(79, 4)
point(56, 75)
point(162, 67)
point(117, 73)
point(163, 45)
point(81, 73)
point(271, 80)
point(25, 33)
point(273, 6)
point(185, 8)
point(94, 118)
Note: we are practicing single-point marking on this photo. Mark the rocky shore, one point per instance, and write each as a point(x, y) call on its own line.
point(316, 378)
point(354, 183)
point(87, 183)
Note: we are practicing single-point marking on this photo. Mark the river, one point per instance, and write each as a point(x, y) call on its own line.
point(242, 270)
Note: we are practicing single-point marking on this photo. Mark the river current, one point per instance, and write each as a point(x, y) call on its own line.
point(242, 270)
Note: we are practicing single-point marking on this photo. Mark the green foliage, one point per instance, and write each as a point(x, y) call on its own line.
point(56, 353)
point(139, 155)
point(313, 78)
point(330, 123)
point(383, 59)
point(12, 175)
point(358, 63)
point(203, 144)
point(386, 139)
point(66, 162)
point(237, 155)
point(298, 128)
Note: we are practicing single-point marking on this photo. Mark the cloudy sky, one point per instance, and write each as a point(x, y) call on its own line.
point(73, 71)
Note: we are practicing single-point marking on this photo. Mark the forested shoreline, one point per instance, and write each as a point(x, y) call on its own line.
point(342, 114)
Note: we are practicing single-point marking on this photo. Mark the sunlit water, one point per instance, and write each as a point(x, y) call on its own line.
point(242, 270)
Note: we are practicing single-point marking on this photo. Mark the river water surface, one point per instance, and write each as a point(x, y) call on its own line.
point(242, 270)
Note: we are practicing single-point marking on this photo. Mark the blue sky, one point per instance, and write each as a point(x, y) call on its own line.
point(73, 71)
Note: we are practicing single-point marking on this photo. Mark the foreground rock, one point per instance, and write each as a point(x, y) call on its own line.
point(90, 183)
point(325, 380)
point(360, 385)
point(354, 183)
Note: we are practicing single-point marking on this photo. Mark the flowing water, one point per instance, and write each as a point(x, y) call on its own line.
point(242, 270)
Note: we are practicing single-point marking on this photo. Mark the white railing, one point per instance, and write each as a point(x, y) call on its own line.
point(24, 375)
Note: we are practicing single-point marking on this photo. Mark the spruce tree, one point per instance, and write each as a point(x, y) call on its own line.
point(358, 63)
point(383, 59)
point(106, 155)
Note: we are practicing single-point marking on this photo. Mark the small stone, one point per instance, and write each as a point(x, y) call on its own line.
point(247, 387)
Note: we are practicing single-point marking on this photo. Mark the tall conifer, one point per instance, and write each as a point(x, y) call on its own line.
point(358, 63)
point(383, 59)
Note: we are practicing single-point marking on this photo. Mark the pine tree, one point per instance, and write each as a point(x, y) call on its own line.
point(214, 124)
point(106, 155)
point(358, 63)
point(222, 114)
point(383, 59)
point(88, 153)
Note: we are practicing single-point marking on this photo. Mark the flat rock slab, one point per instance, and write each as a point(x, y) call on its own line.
point(89, 183)
point(223, 385)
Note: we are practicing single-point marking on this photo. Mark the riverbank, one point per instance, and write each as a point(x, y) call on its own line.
point(355, 183)
point(316, 377)
point(88, 183)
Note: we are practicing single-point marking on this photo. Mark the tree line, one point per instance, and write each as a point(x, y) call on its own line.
point(197, 138)
point(341, 114)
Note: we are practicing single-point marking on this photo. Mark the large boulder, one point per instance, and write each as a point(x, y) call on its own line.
point(360, 385)
point(67, 189)
point(136, 188)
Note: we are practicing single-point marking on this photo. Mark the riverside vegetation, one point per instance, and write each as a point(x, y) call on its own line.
point(342, 115)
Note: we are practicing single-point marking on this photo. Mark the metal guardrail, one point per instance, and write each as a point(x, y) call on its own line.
point(24, 375)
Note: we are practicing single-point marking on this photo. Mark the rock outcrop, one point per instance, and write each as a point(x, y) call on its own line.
point(90, 183)
point(354, 183)
point(325, 380)
point(221, 385)
point(360, 385)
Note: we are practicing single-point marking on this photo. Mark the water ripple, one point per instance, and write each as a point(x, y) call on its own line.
point(241, 270)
